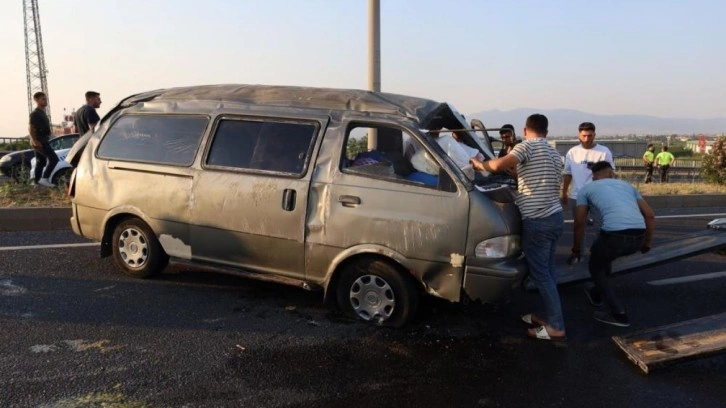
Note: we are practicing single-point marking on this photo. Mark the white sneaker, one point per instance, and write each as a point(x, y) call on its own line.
point(45, 183)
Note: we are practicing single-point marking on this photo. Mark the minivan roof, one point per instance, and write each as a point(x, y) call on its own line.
point(419, 109)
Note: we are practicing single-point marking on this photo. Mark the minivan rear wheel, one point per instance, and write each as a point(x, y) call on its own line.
point(136, 249)
point(375, 291)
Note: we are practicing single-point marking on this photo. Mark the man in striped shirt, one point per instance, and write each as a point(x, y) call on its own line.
point(539, 167)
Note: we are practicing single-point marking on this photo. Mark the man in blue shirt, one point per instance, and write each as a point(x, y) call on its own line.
point(627, 226)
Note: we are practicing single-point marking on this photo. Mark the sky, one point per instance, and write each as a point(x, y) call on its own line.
point(655, 57)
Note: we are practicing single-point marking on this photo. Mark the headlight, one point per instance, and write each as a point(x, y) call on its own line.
point(499, 247)
point(5, 159)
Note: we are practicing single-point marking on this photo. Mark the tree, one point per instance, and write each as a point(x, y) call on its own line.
point(356, 146)
point(713, 165)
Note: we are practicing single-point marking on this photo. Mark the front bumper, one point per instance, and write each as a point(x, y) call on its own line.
point(488, 280)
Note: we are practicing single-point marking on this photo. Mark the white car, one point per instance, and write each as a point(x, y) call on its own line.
point(62, 171)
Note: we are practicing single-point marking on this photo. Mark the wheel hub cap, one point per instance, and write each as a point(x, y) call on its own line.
point(372, 298)
point(133, 247)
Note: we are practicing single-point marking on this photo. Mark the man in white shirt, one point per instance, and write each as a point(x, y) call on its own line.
point(576, 170)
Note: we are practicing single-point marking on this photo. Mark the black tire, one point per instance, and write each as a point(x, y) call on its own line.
point(136, 250)
point(385, 285)
point(16, 173)
point(62, 177)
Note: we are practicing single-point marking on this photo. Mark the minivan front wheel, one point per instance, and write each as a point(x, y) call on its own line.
point(375, 291)
point(136, 249)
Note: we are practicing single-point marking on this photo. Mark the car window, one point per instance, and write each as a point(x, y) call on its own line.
point(164, 139)
point(63, 142)
point(275, 146)
point(398, 157)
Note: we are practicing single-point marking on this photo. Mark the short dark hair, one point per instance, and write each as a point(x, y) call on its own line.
point(38, 95)
point(665, 148)
point(650, 145)
point(586, 126)
point(537, 123)
point(598, 166)
point(92, 94)
point(506, 127)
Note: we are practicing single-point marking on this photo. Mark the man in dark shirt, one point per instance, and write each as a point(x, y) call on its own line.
point(506, 132)
point(39, 130)
point(86, 117)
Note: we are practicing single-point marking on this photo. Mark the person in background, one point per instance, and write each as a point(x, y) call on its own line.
point(539, 167)
point(576, 171)
point(86, 117)
point(665, 160)
point(509, 139)
point(649, 161)
point(627, 226)
point(39, 131)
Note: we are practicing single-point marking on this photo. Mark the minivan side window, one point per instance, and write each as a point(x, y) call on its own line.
point(163, 139)
point(398, 157)
point(263, 145)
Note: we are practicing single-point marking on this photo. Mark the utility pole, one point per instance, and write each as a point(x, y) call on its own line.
point(35, 70)
point(374, 58)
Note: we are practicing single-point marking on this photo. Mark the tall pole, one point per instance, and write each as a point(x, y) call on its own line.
point(35, 70)
point(374, 58)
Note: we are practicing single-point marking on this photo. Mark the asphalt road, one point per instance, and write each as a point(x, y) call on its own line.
point(74, 332)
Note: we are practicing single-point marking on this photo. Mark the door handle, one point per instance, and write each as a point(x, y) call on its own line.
point(349, 200)
point(288, 199)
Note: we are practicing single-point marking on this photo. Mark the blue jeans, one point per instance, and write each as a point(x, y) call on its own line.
point(539, 242)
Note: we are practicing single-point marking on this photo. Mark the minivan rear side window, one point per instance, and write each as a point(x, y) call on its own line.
point(274, 146)
point(163, 139)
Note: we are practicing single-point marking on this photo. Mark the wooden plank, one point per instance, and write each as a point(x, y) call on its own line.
point(687, 340)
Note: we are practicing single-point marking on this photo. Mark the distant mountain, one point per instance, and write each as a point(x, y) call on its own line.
point(564, 122)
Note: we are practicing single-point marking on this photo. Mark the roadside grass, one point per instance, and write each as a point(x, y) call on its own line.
point(654, 189)
point(23, 194)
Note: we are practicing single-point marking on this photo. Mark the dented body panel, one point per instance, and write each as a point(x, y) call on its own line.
point(305, 223)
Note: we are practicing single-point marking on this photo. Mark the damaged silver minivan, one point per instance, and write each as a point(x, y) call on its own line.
point(280, 183)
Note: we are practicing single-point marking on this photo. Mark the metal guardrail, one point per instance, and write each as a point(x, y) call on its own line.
point(10, 144)
point(638, 162)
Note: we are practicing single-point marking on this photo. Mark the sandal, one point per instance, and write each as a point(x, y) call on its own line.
point(541, 333)
point(533, 320)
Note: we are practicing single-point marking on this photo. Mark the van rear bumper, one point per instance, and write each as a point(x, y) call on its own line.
point(489, 281)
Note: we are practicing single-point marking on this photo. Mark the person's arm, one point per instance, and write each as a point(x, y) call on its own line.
point(33, 131)
point(566, 180)
point(578, 231)
point(649, 217)
point(495, 165)
point(92, 119)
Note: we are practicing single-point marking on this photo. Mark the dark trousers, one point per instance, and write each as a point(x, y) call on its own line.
point(44, 157)
point(664, 173)
point(649, 173)
point(608, 246)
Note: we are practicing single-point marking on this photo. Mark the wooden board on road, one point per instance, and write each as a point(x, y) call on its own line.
point(687, 340)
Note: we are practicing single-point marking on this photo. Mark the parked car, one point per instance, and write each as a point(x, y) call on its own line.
point(12, 164)
point(62, 171)
point(276, 183)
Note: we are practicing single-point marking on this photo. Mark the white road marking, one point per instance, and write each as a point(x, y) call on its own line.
point(7, 288)
point(686, 279)
point(676, 216)
point(43, 348)
point(53, 246)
